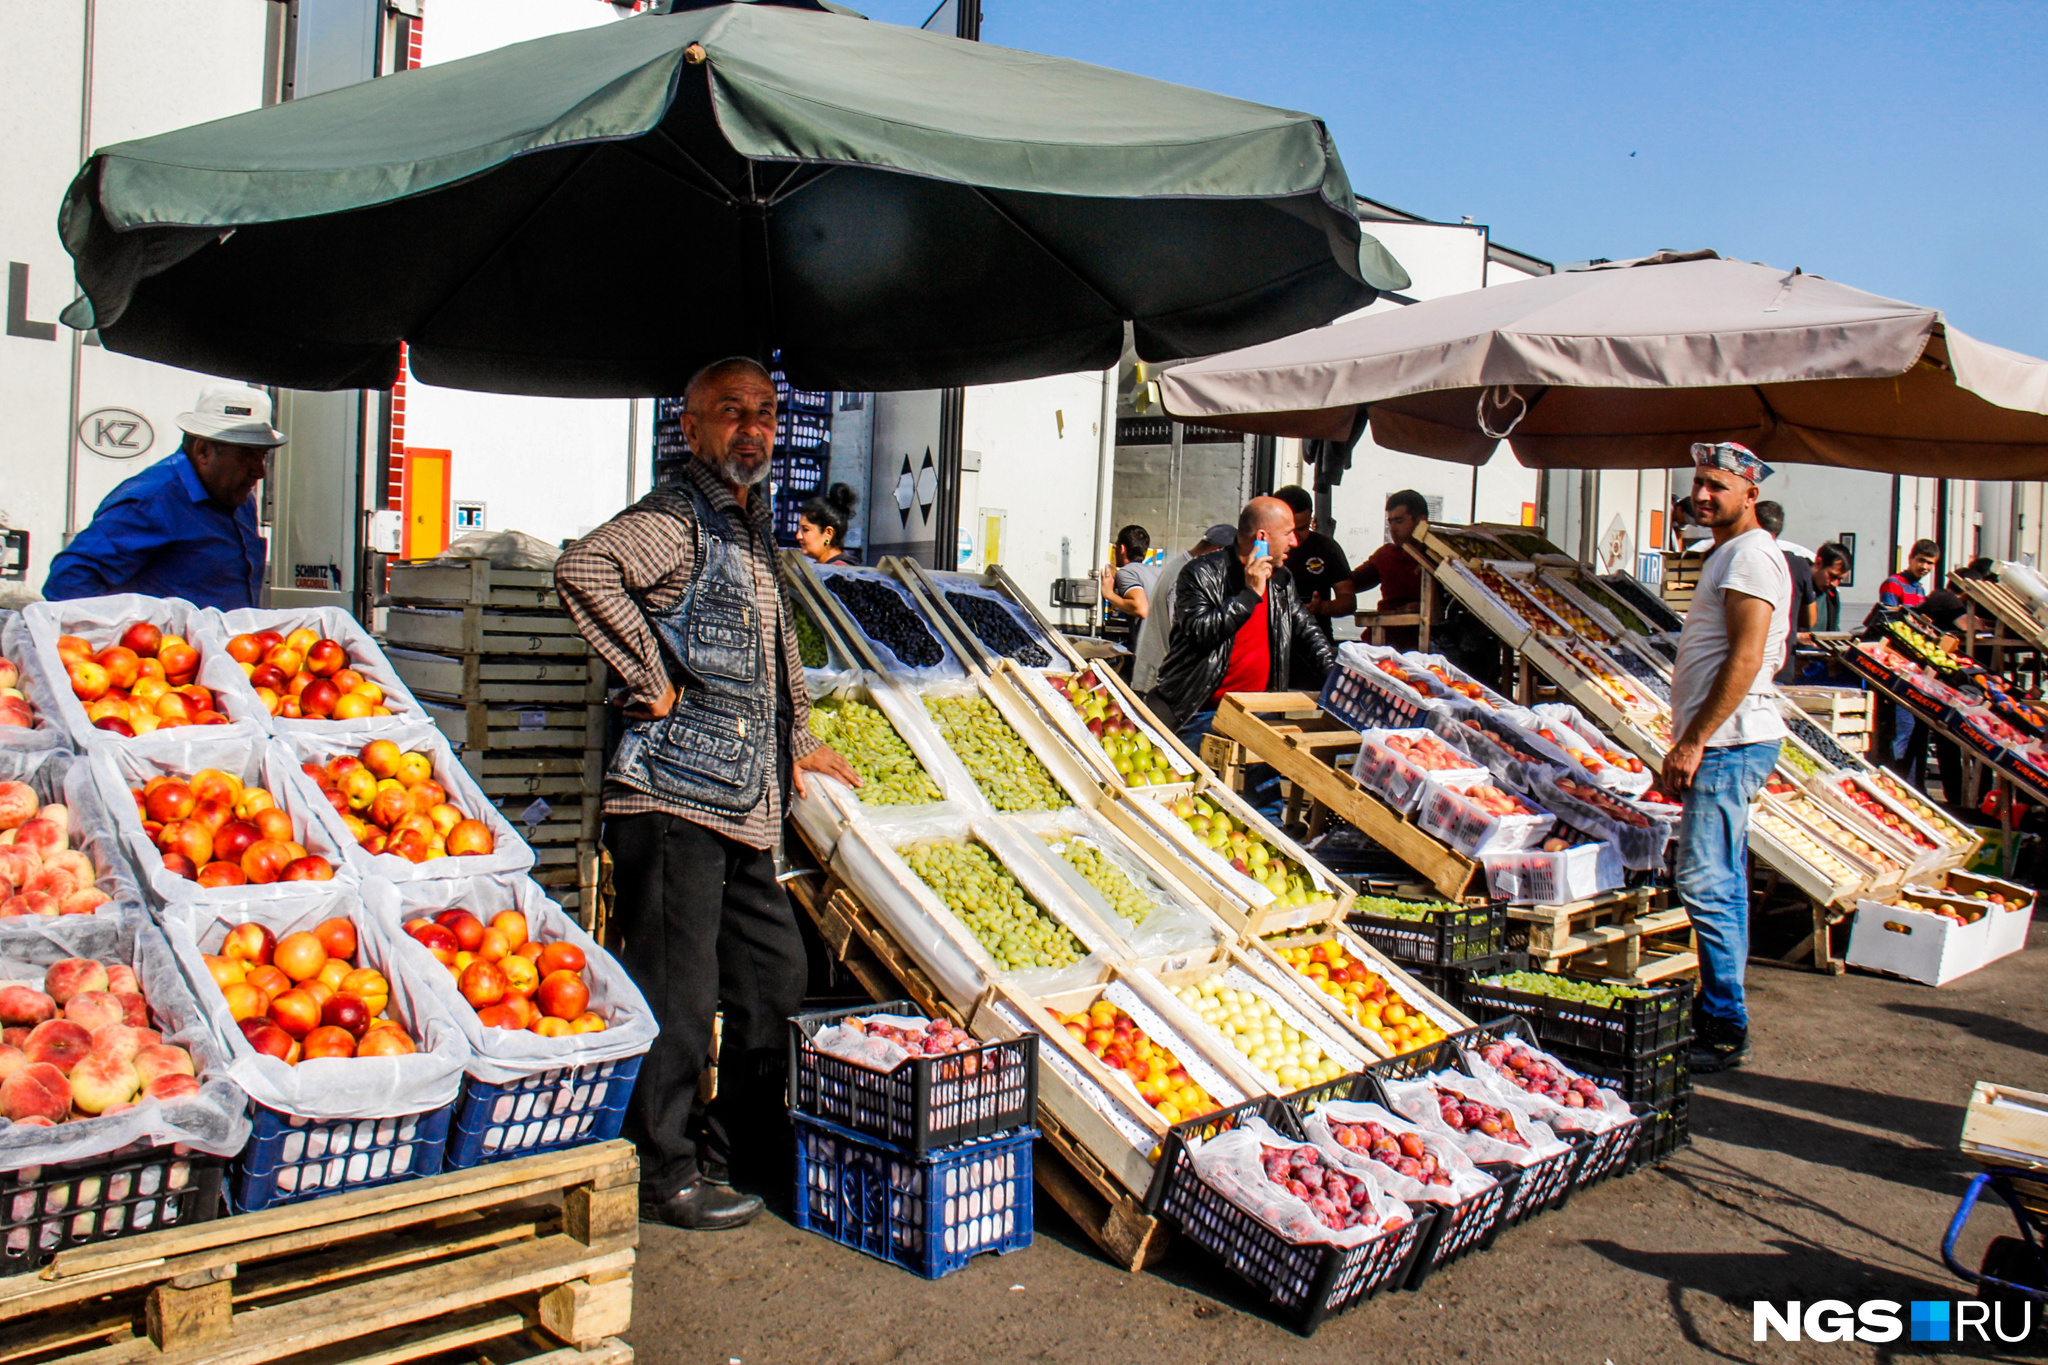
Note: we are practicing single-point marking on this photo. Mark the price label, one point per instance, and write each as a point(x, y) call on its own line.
point(533, 720)
point(535, 813)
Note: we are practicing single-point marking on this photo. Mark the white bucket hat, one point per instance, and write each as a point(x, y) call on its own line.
point(234, 413)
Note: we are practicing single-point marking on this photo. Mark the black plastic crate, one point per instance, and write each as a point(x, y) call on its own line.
point(49, 1209)
point(1653, 1081)
point(1629, 1028)
point(1305, 1282)
point(926, 1102)
point(1601, 1154)
point(1664, 1132)
point(1444, 939)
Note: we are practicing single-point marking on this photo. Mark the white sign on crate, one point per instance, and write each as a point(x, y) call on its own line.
point(535, 813)
point(533, 720)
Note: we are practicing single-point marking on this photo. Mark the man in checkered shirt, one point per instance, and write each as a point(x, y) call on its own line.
point(680, 594)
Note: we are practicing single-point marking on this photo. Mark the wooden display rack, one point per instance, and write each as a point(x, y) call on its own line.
point(1077, 1181)
point(930, 593)
point(1618, 936)
point(2006, 607)
point(1289, 731)
point(1844, 712)
point(539, 1247)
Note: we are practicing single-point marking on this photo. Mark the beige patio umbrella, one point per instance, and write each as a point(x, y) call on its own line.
point(1624, 366)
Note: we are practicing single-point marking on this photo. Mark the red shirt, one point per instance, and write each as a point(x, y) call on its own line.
point(1394, 572)
point(1251, 658)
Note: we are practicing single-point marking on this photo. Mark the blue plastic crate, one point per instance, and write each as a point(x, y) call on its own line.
point(289, 1158)
point(929, 1213)
point(565, 1107)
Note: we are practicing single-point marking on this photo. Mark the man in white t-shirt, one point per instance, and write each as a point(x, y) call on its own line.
point(1726, 730)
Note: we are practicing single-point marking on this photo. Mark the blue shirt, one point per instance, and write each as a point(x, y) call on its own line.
point(161, 534)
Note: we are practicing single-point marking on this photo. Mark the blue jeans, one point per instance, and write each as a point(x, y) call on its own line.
point(1713, 869)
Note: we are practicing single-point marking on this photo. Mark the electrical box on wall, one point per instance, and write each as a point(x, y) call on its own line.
point(386, 526)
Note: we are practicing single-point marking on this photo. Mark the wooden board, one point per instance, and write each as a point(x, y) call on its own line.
point(528, 680)
point(2004, 605)
point(2006, 1126)
point(480, 725)
point(930, 592)
point(390, 1273)
point(1615, 937)
point(483, 630)
point(474, 582)
point(1290, 732)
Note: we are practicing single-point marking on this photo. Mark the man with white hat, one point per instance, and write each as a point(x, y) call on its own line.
point(1727, 731)
point(185, 526)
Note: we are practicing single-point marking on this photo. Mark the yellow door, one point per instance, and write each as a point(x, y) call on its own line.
point(425, 503)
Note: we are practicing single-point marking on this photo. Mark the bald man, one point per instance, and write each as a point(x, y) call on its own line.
point(1236, 623)
point(681, 595)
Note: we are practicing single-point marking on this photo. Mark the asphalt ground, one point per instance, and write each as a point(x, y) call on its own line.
point(1825, 1168)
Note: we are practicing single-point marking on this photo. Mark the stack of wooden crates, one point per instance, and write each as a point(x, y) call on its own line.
point(500, 668)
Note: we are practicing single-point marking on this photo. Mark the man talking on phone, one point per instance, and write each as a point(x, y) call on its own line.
point(1236, 622)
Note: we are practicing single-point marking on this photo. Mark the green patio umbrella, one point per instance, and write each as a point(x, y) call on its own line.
point(599, 213)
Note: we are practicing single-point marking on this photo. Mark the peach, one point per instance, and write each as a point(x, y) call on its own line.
point(172, 800)
point(30, 903)
point(25, 1005)
point(121, 979)
point(36, 1093)
point(222, 874)
point(85, 900)
point(512, 924)
point(60, 1042)
point(561, 957)
point(367, 985)
point(428, 795)
point(95, 1008)
point(18, 804)
point(54, 882)
point(142, 637)
point(297, 1012)
point(268, 1038)
point(547, 1026)
point(328, 1041)
point(163, 1059)
point(17, 865)
point(563, 995)
point(387, 1040)
point(42, 836)
point(123, 665)
point(134, 1008)
point(119, 1040)
point(273, 824)
point(89, 681)
point(521, 976)
point(70, 860)
point(270, 981)
point(12, 1059)
point(232, 840)
point(381, 757)
point(72, 648)
point(74, 976)
point(99, 1080)
point(175, 1086)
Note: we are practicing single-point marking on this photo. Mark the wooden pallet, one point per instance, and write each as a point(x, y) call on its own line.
point(474, 582)
point(1289, 731)
point(541, 1243)
point(1681, 578)
point(489, 725)
point(1616, 936)
point(1077, 1181)
point(500, 679)
point(484, 630)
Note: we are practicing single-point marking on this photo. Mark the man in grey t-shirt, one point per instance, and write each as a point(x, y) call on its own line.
point(1127, 580)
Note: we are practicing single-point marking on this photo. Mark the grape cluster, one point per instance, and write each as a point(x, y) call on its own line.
point(1105, 876)
point(997, 629)
point(810, 641)
point(886, 619)
point(1563, 988)
point(1002, 765)
point(1390, 908)
point(890, 773)
point(981, 891)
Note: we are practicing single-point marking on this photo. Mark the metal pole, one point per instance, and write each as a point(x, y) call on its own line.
point(78, 338)
point(1105, 482)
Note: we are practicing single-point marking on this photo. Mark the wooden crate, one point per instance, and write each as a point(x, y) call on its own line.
point(2006, 1127)
point(505, 679)
point(484, 630)
point(477, 725)
point(1628, 936)
point(535, 772)
point(1844, 712)
point(393, 1273)
point(1681, 577)
point(474, 582)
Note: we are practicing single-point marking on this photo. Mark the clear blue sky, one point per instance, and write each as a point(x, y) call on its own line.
point(1899, 148)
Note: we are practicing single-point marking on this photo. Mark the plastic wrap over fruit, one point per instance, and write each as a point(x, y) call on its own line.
point(882, 611)
point(1549, 1089)
point(326, 1087)
point(253, 758)
point(1642, 846)
point(61, 778)
point(1155, 920)
point(215, 1120)
point(17, 652)
point(882, 1042)
point(1422, 1101)
point(101, 621)
point(1559, 718)
point(365, 656)
point(1293, 1189)
point(1408, 1160)
point(499, 1055)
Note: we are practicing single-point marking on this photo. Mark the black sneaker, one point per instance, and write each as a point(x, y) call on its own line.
point(1718, 1045)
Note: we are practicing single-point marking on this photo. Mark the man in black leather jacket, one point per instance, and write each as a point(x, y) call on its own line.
point(1215, 598)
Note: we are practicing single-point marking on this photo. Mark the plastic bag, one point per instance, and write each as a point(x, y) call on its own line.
point(826, 804)
point(365, 656)
point(254, 759)
point(1505, 765)
point(948, 666)
point(18, 652)
point(1173, 926)
point(101, 621)
point(59, 776)
point(1233, 1164)
point(1641, 846)
point(505, 550)
point(1425, 664)
point(1416, 1101)
point(1447, 812)
point(1056, 659)
point(509, 852)
point(1613, 776)
point(1607, 1109)
point(1466, 1179)
point(499, 1056)
point(870, 1050)
point(327, 1087)
point(216, 1120)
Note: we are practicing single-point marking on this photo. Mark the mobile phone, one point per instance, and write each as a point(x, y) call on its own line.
point(1260, 549)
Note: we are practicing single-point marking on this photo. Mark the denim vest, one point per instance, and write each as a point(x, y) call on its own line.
point(711, 751)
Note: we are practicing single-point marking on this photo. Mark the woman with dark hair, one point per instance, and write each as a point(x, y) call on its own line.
point(821, 526)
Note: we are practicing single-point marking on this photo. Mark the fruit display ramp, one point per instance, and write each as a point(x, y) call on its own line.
point(1312, 749)
point(534, 1255)
point(936, 592)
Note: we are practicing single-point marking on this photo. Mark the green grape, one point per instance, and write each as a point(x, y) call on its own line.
point(987, 899)
point(1564, 988)
point(1105, 876)
point(890, 772)
point(1391, 908)
point(1002, 765)
point(810, 641)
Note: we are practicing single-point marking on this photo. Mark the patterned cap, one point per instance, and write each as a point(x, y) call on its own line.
point(1731, 456)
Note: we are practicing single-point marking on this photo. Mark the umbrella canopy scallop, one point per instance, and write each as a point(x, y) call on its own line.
point(598, 213)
